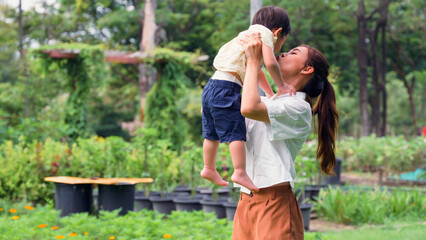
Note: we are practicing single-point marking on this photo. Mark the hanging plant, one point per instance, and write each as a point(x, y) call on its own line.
point(162, 112)
point(82, 66)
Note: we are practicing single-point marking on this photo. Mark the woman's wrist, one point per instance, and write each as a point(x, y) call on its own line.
point(252, 62)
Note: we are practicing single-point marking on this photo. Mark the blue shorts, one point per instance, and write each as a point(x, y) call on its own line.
point(222, 119)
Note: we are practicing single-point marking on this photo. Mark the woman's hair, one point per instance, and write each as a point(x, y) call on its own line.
point(325, 108)
point(273, 17)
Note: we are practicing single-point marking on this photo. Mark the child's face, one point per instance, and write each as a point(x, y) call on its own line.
point(280, 42)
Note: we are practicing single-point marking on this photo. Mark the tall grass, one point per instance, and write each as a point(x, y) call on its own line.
point(359, 206)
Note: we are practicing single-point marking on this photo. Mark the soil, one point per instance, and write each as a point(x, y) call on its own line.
point(353, 178)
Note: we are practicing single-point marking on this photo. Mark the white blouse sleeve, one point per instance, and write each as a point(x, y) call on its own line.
point(290, 118)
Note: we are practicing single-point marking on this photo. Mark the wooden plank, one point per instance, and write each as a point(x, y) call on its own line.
point(112, 181)
point(104, 181)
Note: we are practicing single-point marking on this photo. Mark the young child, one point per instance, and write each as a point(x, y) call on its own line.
point(221, 99)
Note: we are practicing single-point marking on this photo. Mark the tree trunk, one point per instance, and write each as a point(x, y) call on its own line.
point(362, 70)
point(375, 98)
point(378, 99)
point(255, 5)
point(21, 35)
point(384, 20)
point(399, 69)
point(22, 60)
point(147, 74)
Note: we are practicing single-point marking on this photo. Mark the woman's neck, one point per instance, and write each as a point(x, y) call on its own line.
point(298, 82)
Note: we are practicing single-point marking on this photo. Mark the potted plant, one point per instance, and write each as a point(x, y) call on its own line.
point(217, 195)
point(167, 161)
point(145, 141)
point(231, 205)
point(335, 178)
point(115, 196)
point(305, 190)
point(214, 203)
point(191, 163)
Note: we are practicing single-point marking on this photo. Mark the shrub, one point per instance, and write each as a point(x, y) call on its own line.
point(395, 154)
point(359, 206)
point(44, 223)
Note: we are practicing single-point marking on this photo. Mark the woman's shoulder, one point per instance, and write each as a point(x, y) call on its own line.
point(296, 102)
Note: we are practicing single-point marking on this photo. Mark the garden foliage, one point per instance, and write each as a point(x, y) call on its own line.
point(161, 106)
point(43, 222)
point(24, 165)
point(394, 154)
point(80, 73)
point(360, 206)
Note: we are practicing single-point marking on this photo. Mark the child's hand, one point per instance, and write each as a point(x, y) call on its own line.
point(287, 89)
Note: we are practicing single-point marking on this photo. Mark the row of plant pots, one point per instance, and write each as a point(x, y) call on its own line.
point(222, 205)
point(223, 202)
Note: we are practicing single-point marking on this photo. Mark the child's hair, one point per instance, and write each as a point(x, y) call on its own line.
point(273, 17)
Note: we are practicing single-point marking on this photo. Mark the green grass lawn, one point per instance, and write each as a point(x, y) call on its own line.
point(392, 230)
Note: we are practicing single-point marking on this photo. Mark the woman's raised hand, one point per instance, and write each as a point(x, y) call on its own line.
point(252, 46)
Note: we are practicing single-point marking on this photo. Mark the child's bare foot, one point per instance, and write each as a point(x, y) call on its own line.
point(241, 177)
point(213, 176)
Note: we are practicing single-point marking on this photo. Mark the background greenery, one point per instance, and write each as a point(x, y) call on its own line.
point(134, 225)
point(42, 101)
point(37, 103)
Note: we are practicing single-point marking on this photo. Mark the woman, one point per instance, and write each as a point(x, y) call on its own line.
point(276, 131)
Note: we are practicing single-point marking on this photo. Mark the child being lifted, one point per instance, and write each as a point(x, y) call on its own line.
point(221, 99)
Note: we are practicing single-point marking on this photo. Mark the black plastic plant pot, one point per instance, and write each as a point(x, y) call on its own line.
point(312, 192)
point(334, 179)
point(182, 189)
point(163, 205)
point(73, 198)
point(185, 203)
point(112, 197)
point(214, 206)
point(222, 192)
point(143, 202)
point(306, 214)
point(230, 209)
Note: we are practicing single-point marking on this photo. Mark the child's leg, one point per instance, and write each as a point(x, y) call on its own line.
point(209, 171)
point(238, 155)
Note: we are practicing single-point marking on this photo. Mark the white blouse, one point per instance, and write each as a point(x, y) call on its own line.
point(231, 58)
point(271, 148)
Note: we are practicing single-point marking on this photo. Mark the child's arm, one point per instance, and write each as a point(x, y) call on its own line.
point(264, 85)
point(274, 69)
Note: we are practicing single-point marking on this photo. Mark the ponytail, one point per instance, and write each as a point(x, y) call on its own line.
point(325, 108)
point(328, 118)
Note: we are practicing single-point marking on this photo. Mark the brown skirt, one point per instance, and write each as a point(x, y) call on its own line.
point(272, 213)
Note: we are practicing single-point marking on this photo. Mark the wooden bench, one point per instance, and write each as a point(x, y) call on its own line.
point(74, 194)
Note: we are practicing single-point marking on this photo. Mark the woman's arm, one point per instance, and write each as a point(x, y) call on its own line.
point(251, 106)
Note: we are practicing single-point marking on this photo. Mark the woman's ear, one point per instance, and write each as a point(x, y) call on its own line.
point(308, 70)
point(277, 31)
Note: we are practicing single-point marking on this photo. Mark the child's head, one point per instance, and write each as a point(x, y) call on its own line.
point(274, 18)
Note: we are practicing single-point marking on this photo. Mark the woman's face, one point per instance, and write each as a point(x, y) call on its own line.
point(292, 62)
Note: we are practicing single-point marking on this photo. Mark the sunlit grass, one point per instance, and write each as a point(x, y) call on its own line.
point(393, 230)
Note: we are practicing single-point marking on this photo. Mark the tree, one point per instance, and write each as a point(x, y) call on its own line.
point(362, 66)
point(406, 32)
point(147, 74)
point(377, 98)
point(255, 5)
